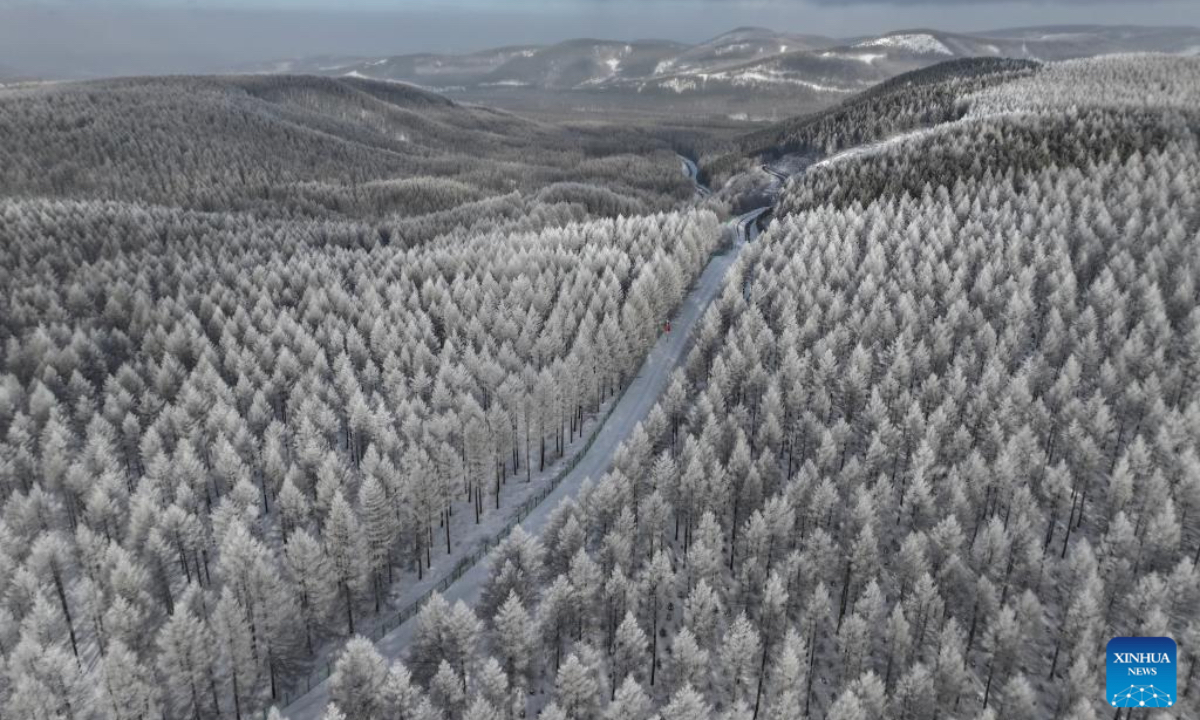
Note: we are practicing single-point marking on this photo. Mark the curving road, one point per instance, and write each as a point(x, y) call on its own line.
point(781, 176)
point(693, 174)
point(747, 224)
point(635, 404)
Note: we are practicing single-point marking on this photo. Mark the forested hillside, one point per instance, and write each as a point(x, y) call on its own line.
point(288, 146)
point(918, 99)
point(1017, 128)
point(276, 352)
point(935, 445)
point(225, 438)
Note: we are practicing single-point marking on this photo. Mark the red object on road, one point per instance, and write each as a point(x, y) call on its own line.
point(668, 326)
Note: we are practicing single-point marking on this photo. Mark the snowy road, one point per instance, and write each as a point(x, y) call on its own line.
point(747, 224)
point(780, 176)
point(635, 404)
point(693, 174)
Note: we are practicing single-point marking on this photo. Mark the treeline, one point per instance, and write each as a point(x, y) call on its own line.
point(1070, 115)
point(282, 146)
point(1018, 148)
point(928, 455)
point(921, 98)
point(508, 213)
point(1161, 82)
point(226, 441)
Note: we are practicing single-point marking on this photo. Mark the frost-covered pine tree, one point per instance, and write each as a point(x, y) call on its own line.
point(629, 650)
point(554, 615)
point(702, 613)
point(788, 678)
point(657, 584)
point(446, 690)
point(629, 703)
point(576, 689)
point(311, 583)
point(686, 704)
point(333, 712)
point(516, 640)
point(692, 662)
point(379, 532)
point(516, 566)
point(345, 548)
point(492, 682)
point(740, 652)
point(447, 634)
point(50, 559)
point(236, 653)
point(128, 689)
point(186, 652)
point(401, 696)
point(481, 709)
point(360, 680)
point(847, 707)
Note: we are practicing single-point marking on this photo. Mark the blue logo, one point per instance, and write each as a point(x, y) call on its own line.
point(1140, 672)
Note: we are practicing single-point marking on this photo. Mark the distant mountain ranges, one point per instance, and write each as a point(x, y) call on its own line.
point(733, 69)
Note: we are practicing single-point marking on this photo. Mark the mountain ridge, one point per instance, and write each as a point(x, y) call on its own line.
point(743, 44)
point(745, 73)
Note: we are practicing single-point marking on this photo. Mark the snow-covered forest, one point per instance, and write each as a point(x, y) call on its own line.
point(913, 100)
point(929, 453)
point(227, 440)
point(935, 442)
point(320, 148)
point(254, 398)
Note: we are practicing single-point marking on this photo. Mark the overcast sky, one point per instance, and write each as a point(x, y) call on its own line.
point(106, 37)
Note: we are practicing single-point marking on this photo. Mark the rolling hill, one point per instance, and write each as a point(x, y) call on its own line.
point(310, 145)
point(748, 73)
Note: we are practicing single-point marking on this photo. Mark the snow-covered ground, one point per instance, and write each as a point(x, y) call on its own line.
point(664, 66)
point(763, 76)
point(866, 58)
point(679, 85)
point(980, 109)
point(910, 136)
point(872, 148)
point(920, 43)
point(774, 77)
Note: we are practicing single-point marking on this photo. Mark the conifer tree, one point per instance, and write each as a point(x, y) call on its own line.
point(359, 681)
point(515, 638)
point(345, 548)
point(576, 689)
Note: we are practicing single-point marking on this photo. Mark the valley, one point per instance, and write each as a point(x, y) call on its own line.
point(769, 377)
